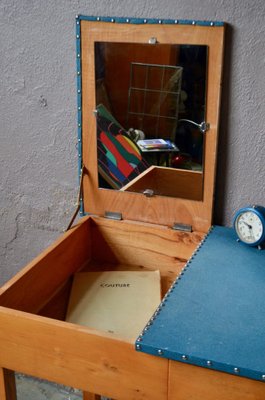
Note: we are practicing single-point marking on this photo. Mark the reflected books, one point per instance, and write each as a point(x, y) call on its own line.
point(156, 145)
point(117, 302)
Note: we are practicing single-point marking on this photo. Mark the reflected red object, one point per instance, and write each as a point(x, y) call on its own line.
point(180, 160)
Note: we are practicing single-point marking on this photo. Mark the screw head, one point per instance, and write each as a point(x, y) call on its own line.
point(209, 363)
point(236, 370)
point(184, 357)
point(160, 352)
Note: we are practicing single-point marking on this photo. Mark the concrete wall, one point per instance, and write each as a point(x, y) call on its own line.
point(38, 159)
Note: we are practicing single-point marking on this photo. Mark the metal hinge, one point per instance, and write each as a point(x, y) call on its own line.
point(177, 226)
point(117, 216)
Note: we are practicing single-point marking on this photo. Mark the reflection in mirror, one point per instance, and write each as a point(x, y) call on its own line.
point(150, 100)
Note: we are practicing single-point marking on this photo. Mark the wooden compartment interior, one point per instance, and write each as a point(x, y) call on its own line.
point(179, 183)
point(97, 244)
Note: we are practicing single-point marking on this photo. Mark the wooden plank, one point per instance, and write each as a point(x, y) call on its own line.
point(34, 285)
point(188, 382)
point(134, 206)
point(136, 246)
point(91, 396)
point(82, 358)
point(56, 307)
point(134, 243)
point(7, 385)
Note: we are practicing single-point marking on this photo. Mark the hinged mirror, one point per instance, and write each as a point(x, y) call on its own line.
point(148, 108)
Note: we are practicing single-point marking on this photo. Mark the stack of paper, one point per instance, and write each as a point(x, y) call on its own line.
point(118, 302)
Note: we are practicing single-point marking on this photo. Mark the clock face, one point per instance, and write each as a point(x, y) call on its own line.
point(249, 227)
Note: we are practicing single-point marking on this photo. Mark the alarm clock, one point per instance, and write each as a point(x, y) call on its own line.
point(249, 224)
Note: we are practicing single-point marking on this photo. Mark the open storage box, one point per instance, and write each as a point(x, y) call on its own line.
point(76, 355)
point(34, 337)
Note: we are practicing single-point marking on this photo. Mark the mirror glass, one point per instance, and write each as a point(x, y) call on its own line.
point(150, 99)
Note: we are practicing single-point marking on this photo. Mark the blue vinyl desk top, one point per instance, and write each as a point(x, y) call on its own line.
point(214, 314)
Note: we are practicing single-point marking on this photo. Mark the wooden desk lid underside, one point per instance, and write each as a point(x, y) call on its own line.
point(135, 206)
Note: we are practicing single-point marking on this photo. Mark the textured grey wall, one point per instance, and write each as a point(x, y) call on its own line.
point(38, 159)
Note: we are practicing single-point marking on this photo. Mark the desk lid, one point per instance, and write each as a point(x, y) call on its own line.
point(213, 316)
point(167, 201)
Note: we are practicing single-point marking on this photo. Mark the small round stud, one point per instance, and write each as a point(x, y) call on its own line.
point(209, 363)
point(212, 24)
point(176, 21)
point(77, 16)
point(160, 22)
point(77, 36)
point(236, 370)
point(112, 20)
point(79, 91)
point(193, 23)
point(79, 140)
point(127, 20)
point(98, 19)
point(138, 347)
point(78, 55)
point(145, 21)
point(160, 352)
point(263, 377)
point(184, 357)
point(152, 40)
point(79, 108)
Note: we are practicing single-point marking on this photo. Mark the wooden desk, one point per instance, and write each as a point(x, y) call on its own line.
point(34, 341)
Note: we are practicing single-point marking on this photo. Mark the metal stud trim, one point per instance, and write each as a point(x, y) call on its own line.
point(122, 20)
point(79, 103)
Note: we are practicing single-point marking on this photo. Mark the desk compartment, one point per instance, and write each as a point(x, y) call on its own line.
point(33, 306)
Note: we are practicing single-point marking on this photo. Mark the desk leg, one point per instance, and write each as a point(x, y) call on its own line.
point(7, 385)
point(91, 396)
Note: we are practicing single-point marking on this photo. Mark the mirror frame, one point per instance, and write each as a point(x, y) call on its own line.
point(136, 206)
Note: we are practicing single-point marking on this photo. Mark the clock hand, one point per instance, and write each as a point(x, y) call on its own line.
point(249, 226)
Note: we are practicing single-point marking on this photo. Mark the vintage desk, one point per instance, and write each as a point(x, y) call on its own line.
point(158, 222)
